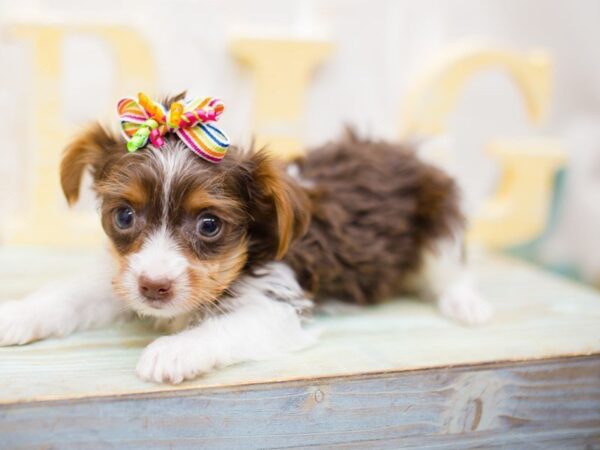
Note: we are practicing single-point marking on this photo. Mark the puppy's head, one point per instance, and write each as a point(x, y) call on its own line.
point(183, 229)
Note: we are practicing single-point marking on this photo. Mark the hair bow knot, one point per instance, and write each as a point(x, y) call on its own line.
point(144, 120)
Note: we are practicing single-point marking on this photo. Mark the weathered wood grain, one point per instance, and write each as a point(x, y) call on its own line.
point(547, 404)
point(538, 316)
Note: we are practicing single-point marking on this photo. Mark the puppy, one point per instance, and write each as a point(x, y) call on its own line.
point(230, 257)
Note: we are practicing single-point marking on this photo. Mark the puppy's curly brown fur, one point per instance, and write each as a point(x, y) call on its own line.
point(376, 209)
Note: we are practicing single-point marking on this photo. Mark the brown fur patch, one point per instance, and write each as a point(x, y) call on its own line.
point(208, 280)
point(291, 205)
point(377, 207)
point(91, 149)
point(198, 200)
point(133, 191)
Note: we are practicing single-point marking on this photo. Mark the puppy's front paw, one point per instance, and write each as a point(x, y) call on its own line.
point(18, 324)
point(464, 304)
point(173, 359)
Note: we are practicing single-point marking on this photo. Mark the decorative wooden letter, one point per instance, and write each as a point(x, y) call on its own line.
point(135, 70)
point(282, 71)
point(518, 211)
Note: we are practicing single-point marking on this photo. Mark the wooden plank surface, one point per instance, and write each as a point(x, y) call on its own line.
point(538, 316)
point(552, 404)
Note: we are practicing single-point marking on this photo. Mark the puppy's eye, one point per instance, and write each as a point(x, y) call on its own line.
point(124, 217)
point(208, 225)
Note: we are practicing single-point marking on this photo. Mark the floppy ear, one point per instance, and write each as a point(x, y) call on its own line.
point(91, 149)
point(279, 206)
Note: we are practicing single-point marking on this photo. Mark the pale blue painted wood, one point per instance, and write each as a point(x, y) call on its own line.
point(549, 404)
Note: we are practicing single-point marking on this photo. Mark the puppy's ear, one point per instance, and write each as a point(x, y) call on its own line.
point(280, 208)
point(91, 149)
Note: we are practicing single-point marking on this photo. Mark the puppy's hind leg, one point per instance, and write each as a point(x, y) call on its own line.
point(446, 278)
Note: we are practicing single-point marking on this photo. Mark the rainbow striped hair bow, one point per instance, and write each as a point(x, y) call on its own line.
point(144, 120)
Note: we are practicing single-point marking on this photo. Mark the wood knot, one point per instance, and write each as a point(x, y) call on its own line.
point(319, 396)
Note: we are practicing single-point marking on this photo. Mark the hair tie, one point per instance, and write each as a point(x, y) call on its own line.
point(144, 120)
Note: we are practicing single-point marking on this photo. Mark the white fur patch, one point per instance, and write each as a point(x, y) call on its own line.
point(294, 172)
point(448, 280)
point(171, 163)
point(462, 302)
point(276, 281)
point(159, 258)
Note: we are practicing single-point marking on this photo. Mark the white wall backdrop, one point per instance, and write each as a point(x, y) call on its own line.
point(379, 46)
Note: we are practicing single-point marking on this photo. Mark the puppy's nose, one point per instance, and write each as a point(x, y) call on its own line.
point(156, 288)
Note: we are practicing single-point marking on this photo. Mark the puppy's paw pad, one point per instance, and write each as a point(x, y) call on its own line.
point(465, 306)
point(172, 359)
